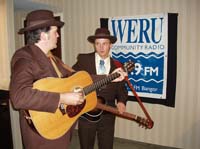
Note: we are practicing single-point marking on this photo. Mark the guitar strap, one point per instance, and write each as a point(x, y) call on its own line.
point(53, 62)
point(64, 65)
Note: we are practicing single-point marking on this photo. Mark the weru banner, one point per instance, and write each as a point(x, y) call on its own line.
point(144, 40)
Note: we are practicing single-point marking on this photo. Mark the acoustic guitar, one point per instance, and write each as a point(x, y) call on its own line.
point(54, 125)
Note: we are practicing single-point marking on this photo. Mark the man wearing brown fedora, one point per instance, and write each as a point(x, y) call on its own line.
point(33, 62)
point(100, 63)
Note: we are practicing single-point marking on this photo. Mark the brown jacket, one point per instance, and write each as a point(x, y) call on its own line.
point(28, 65)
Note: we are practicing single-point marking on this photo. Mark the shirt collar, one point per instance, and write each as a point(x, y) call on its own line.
point(98, 58)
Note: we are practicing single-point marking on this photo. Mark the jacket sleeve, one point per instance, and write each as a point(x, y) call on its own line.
point(79, 65)
point(22, 94)
point(122, 93)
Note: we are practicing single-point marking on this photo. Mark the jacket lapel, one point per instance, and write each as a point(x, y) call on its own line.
point(92, 64)
point(112, 65)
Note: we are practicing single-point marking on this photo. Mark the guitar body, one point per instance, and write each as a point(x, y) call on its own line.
point(55, 125)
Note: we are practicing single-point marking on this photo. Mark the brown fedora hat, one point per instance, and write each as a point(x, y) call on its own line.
point(102, 33)
point(39, 19)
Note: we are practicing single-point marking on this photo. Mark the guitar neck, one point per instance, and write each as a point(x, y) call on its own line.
point(96, 85)
point(142, 121)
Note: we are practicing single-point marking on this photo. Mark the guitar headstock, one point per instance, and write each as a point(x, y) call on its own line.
point(129, 66)
point(143, 122)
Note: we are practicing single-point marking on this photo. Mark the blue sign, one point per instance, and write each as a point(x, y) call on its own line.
point(143, 40)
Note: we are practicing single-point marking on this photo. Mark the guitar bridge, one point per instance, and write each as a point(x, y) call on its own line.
point(74, 110)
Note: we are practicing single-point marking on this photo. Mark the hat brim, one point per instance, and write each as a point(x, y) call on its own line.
point(41, 25)
point(92, 39)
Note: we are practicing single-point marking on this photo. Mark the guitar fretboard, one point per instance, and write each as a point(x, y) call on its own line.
point(88, 89)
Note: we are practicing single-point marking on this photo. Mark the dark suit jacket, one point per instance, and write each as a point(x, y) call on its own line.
point(28, 65)
point(113, 90)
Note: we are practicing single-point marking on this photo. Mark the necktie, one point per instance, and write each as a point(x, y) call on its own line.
point(52, 59)
point(102, 68)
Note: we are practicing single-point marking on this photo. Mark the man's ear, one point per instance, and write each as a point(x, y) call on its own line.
point(44, 36)
point(111, 45)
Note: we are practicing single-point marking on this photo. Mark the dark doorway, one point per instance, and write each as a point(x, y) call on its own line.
point(5, 126)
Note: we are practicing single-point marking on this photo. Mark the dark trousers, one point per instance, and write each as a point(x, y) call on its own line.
point(103, 129)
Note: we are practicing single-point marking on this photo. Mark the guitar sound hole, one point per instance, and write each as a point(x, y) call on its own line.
point(74, 110)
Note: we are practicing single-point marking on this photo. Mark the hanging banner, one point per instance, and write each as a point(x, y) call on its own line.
point(144, 40)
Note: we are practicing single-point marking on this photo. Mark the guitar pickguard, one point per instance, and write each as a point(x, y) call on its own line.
point(74, 110)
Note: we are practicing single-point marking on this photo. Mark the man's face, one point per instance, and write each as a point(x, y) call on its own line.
point(102, 47)
point(53, 37)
